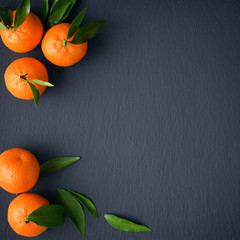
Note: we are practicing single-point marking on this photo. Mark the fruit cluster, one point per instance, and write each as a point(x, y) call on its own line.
point(30, 214)
point(19, 172)
point(63, 44)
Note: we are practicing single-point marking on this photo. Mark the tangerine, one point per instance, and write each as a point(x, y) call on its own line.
point(26, 37)
point(58, 51)
point(22, 70)
point(20, 208)
point(19, 170)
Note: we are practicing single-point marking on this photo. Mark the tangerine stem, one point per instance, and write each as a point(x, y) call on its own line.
point(26, 221)
point(23, 77)
point(65, 42)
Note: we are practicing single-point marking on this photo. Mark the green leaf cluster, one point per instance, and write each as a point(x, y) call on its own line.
point(58, 12)
point(72, 204)
point(86, 32)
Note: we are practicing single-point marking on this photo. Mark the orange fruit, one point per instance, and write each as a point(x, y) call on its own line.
point(20, 208)
point(56, 53)
point(26, 37)
point(20, 67)
point(19, 170)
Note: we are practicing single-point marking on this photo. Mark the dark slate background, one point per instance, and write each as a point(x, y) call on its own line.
point(153, 109)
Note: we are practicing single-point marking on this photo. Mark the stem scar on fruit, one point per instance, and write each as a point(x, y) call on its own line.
point(23, 77)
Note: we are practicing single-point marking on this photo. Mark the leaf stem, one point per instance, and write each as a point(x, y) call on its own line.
point(65, 43)
point(23, 77)
point(10, 28)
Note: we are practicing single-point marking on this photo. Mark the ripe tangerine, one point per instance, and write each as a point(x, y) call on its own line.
point(28, 68)
point(19, 170)
point(26, 37)
point(59, 53)
point(20, 208)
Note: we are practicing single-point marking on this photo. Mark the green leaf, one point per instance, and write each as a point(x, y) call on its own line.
point(56, 16)
point(53, 6)
point(6, 16)
point(35, 93)
point(86, 203)
point(56, 164)
point(87, 32)
point(21, 13)
point(124, 224)
point(73, 209)
point(59, 3)
point(76, 23)
point(48, 216)
point(2, 27)
point(45, 9)
point(42, 83)
point(68, 11)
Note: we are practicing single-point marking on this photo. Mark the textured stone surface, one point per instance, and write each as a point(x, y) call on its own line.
point(153, 109)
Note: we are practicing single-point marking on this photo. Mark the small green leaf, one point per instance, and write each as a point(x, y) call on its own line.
point(59, 3)
point(35, 93)
point(124, 224)
point(56, 164)
point(45, 9)
point(68, 11)
point(48, 216)
point(6, 16)
point(86, 203)
point(76, 23)
point(2, 27)
point(73, 209)
point(87, 32)
point(21, 13)
point(56, 16)
point(42, 83)
point(53, 6)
